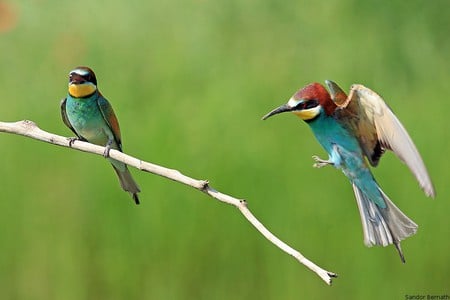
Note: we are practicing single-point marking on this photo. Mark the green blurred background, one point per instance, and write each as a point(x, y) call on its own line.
point(189, 81)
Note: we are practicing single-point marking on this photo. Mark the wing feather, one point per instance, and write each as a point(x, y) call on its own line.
point(110, 118)
point(66, 119)
point(354, 117)
point(391, 134)
point(377, 128)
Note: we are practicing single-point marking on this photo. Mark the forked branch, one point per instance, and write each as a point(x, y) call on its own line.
point(30, 129)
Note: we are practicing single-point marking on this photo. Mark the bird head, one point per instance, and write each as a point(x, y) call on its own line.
point(82, 82)
point(308, 103)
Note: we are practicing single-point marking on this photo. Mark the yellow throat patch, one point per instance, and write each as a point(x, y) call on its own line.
point(81, 90)
point(308, 114)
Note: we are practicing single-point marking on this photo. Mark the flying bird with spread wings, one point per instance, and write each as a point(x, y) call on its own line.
point(355, 131)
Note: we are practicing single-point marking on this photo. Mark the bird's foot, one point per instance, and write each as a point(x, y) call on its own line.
point(321, 162)
point(107, 149)
point(72, 140)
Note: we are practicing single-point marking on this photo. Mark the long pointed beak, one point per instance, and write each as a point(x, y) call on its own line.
point(278, 110)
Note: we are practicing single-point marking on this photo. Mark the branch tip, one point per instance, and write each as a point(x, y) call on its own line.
point(329, 278)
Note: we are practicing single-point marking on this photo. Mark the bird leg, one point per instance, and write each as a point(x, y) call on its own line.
point(107, 148)
point(321, 162)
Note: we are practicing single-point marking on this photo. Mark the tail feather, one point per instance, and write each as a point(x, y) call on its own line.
point(127, 183)
point(383, 226)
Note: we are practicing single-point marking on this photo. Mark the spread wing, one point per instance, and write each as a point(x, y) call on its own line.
point(65, 119)
point(110, 118)
point(354, 117)
point(377, 129)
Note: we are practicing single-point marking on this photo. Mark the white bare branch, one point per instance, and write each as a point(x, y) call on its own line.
point(30, 129)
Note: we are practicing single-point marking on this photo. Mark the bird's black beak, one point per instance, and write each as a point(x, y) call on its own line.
point(278, 110)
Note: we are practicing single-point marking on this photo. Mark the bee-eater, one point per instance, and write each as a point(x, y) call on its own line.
point(352, 129)
point(90, 116)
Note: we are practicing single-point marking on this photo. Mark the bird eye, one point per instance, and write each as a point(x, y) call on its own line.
point(310, 104)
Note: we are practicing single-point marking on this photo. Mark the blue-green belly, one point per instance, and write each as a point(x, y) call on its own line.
point(346, 154)
point(86, 118)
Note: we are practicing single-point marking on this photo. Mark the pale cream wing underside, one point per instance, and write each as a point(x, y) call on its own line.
point(391, 133)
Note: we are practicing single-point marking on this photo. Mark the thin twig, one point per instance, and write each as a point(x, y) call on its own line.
point(30, 129)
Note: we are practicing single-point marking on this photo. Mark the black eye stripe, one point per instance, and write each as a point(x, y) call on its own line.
point(311, 104)
point(83, 77)
point(307, 104)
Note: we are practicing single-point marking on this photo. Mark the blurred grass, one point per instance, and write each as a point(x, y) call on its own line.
point(189, 81)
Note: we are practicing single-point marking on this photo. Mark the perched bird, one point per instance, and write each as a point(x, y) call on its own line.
point(90, 116)
point(350, 129)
